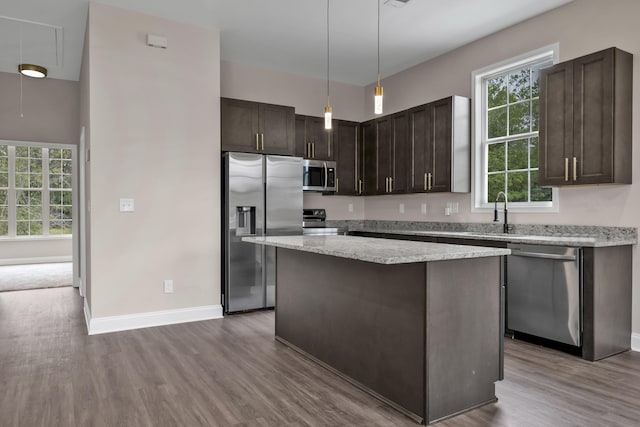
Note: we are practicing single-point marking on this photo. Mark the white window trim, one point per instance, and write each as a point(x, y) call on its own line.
point(477, 180)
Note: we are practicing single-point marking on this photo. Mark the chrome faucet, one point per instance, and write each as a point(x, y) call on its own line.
point(505, 227)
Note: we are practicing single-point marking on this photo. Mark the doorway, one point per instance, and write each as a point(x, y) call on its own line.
point(39, 245)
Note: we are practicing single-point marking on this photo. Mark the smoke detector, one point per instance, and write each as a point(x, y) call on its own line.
point(397, 3)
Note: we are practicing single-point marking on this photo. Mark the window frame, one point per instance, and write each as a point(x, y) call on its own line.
point(479, 119)
point(45, 192)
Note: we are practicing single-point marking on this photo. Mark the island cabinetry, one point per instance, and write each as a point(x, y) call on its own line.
point(585, 120)
point(348, 156)
point(439, 138)
point(424, 337)
point(313, 141)
point(254, 127)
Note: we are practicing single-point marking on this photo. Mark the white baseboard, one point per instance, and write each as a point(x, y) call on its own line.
point(101, 325)
point(39, 260)
point(87, 314)
point(635, 342)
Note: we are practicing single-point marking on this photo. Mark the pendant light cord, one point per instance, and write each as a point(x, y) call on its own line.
point(327, 52)
point(378, 42)
point(21, 115)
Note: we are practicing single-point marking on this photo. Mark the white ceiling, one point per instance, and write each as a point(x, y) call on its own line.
point(288, 35)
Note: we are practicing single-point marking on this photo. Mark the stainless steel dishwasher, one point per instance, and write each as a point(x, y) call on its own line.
point(544, 292)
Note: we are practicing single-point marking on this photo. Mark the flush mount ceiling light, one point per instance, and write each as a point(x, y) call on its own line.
point(31, 70)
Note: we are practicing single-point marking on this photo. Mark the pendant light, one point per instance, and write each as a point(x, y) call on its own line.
point(377, 105)
point(327, 108)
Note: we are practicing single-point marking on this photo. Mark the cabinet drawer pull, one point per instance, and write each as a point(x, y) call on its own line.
point(425, 181)
point(575, 168)
point(262, 139)
point(566, 169)
point(257, 143)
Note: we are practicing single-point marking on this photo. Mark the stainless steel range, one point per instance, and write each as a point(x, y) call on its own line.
point(314, 223)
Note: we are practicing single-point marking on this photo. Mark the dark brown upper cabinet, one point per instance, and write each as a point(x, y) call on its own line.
point(254, 127)
point(313, 141)
point(440, 140)
point(385, 154)
point(585, 120)
point(367, 181)
point(348, 156)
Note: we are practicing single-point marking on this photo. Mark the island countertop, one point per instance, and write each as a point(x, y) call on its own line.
point(381, 251)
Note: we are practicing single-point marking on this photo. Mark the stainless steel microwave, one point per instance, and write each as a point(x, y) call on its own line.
point(318, 175)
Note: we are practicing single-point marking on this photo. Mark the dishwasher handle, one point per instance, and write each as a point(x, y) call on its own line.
point(544, 255)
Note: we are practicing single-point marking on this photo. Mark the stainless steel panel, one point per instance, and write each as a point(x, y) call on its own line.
point(543, 292)
point(244, 268)
point(283, 210)
point(283, 195)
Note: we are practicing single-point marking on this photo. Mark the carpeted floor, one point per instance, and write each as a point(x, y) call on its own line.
point(35, 276)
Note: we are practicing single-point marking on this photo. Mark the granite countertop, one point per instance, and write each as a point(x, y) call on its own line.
point(381, 251)
point(557, 240)
point(558, 235)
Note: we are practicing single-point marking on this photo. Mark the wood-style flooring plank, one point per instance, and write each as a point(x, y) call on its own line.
point(232, 373)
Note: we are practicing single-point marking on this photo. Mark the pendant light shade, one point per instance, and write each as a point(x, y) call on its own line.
point(31, 70)
point(378, 92)
point(327, 108)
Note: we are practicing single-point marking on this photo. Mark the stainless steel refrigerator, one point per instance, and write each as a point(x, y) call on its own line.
point(262, 197)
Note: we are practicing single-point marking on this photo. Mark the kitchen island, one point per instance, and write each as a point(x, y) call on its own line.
point(416, 324)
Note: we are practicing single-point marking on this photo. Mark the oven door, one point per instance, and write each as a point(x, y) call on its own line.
point(318, 175)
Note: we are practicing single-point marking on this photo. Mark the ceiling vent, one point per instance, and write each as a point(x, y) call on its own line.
point(396, 3)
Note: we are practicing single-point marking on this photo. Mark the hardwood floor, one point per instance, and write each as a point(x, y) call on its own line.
point(231, 372)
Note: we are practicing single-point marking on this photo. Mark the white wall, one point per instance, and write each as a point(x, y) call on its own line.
point(581, 27)
point(154, 123)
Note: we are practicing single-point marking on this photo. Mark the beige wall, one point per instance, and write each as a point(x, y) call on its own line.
point(50, 110)
point(85, 114)
point(154, 122)
point(25, 251)
point(580, 27)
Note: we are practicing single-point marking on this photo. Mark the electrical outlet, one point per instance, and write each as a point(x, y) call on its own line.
point(423, 209)
point(455, 208)
point(350, 207)
point(401, 207)
point(447, 209)
point(168, 286)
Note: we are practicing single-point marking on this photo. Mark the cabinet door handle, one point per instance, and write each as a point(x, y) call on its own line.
point(313, 150)
point(257, 143)
point(575, 168)
point(429, 186)
point(306, 150)
point(390, 184)
point(359, 186)
point(262, 139)
point(386, 184)
point(425, 181)
point(566, 169)
point(337, 185)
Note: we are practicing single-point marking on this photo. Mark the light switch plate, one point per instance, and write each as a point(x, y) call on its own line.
point(127, 205)
point(168, 286)
point(401, 207)
point(350, 207)
point(423, 209)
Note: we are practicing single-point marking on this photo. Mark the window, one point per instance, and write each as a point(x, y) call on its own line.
point(506, 134)
point(35, 191)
